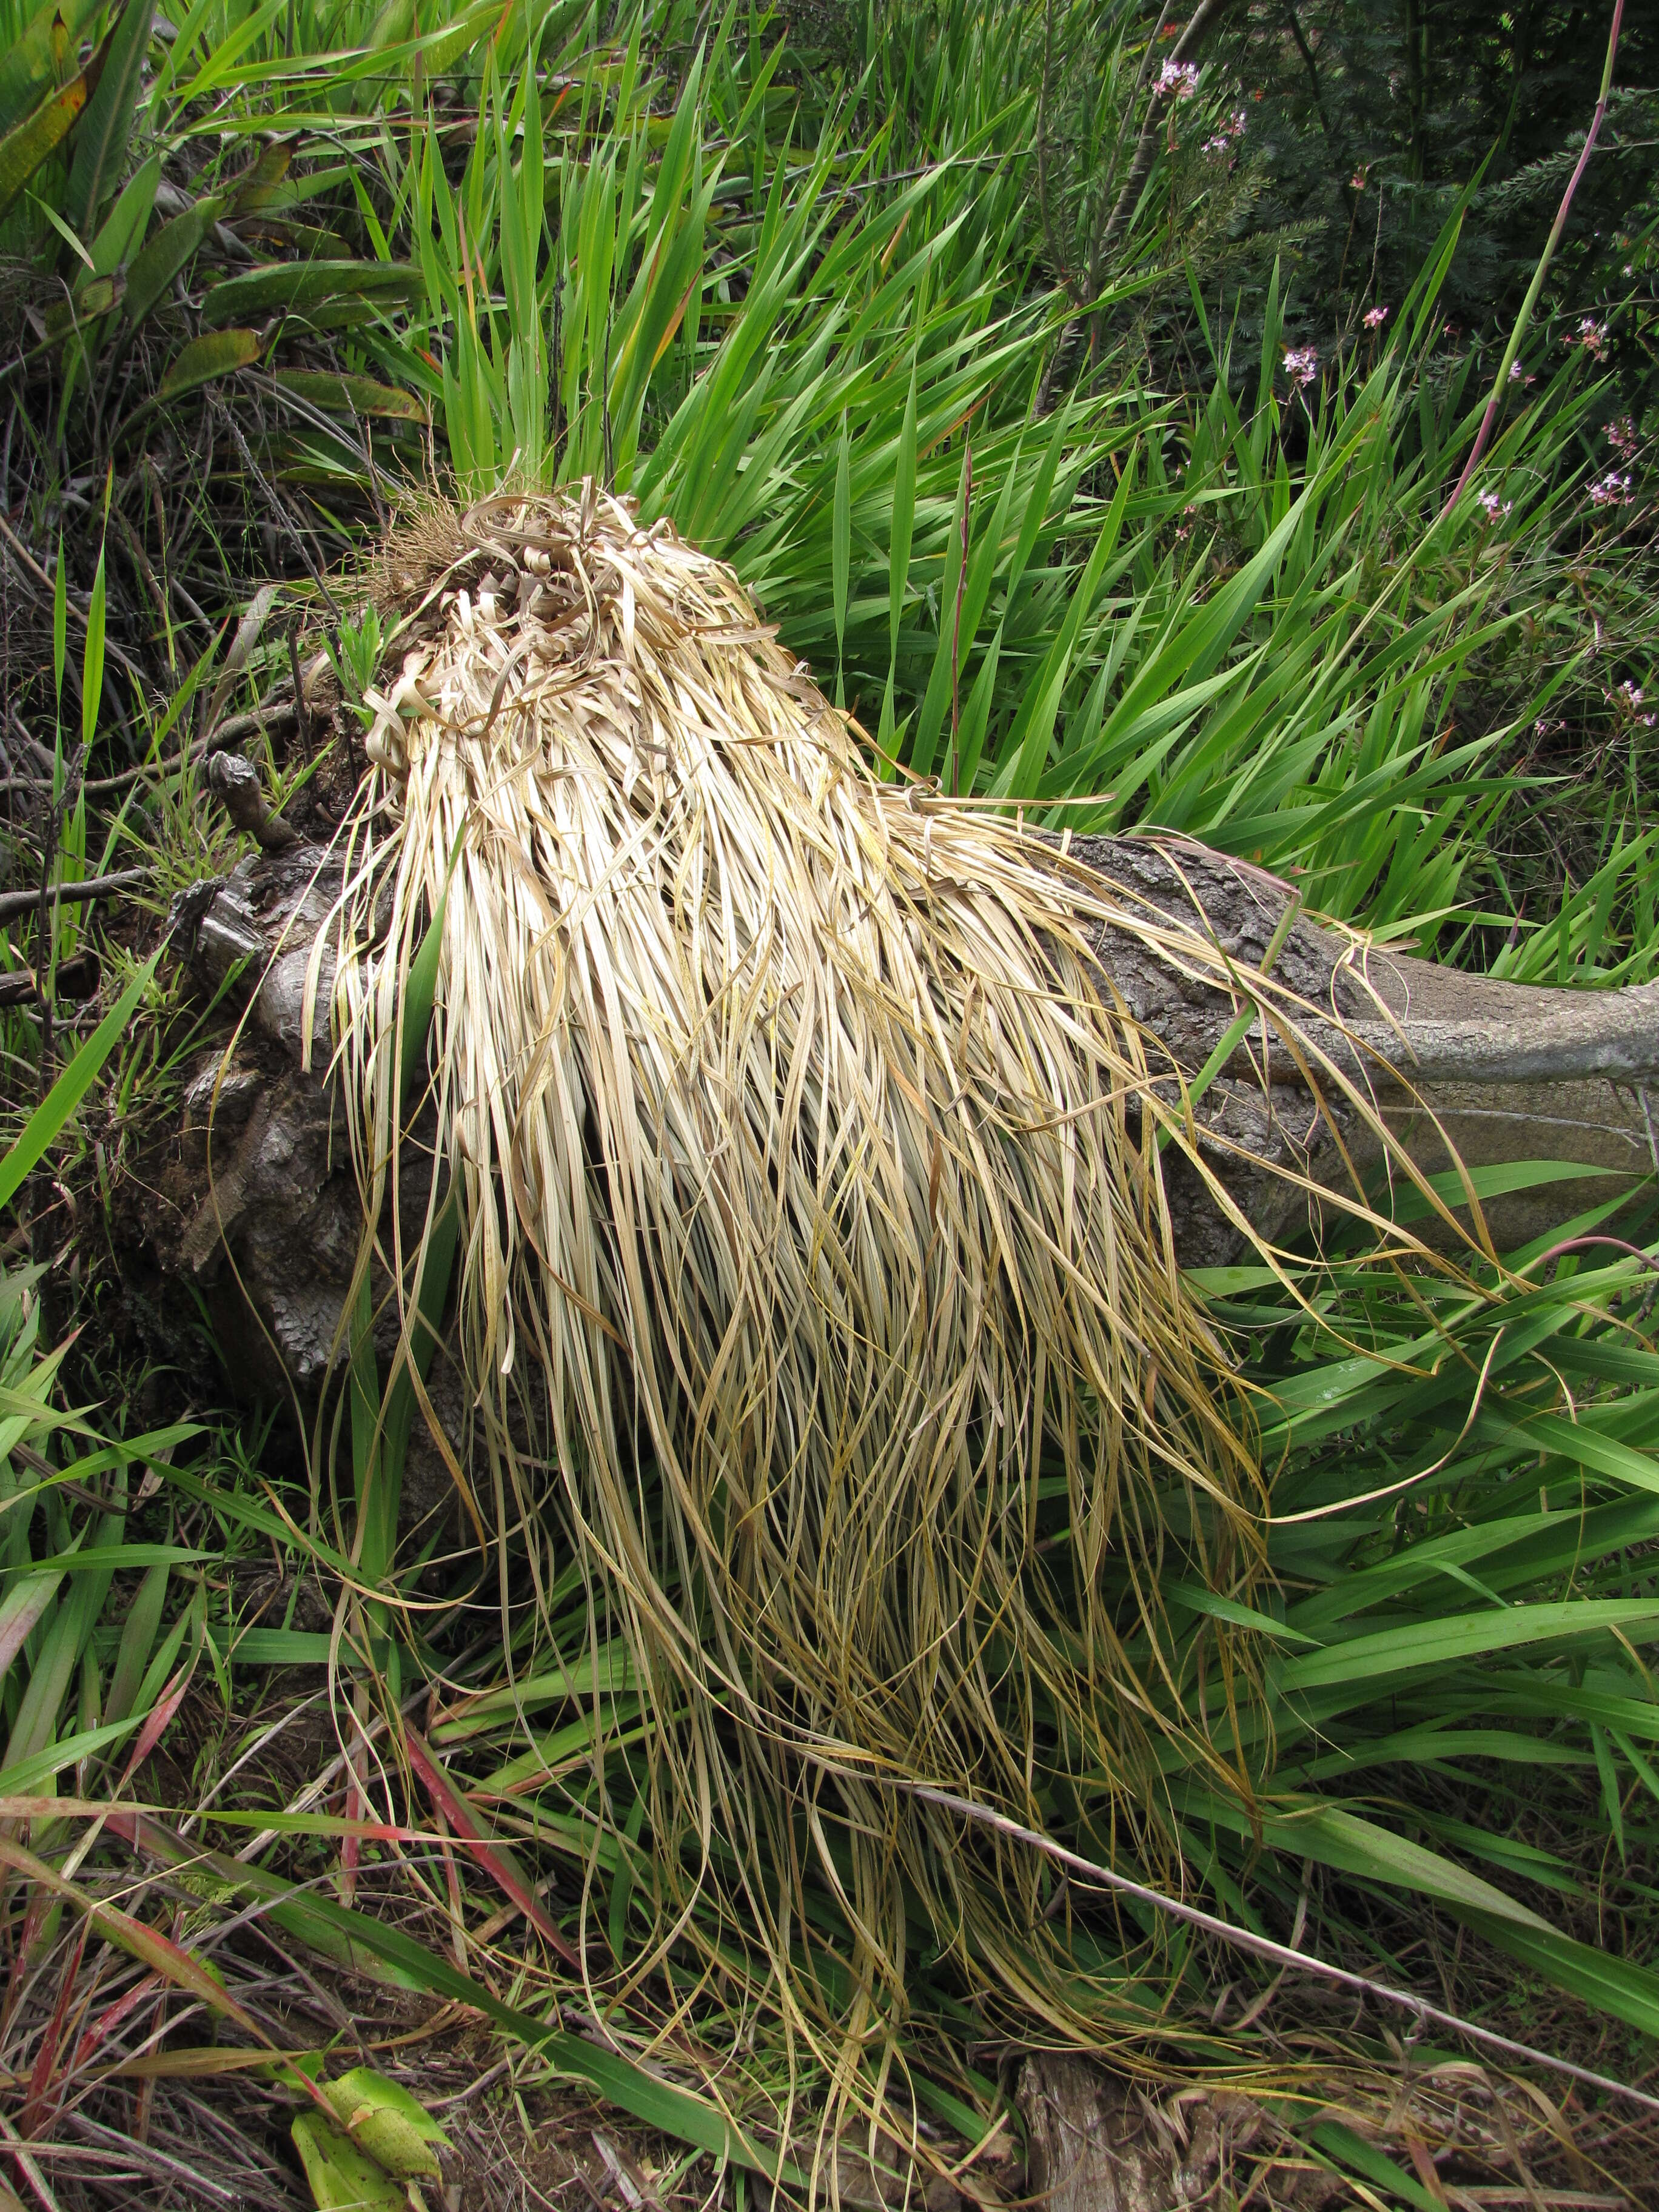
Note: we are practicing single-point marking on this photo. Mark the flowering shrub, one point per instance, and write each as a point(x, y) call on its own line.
point(1301, 365)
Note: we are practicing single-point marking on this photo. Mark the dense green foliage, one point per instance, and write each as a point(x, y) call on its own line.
point(1140, 533)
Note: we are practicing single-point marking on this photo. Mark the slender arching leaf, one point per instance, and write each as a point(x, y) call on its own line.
point(904, 515)
point(164, 256)
point(101, 145)
point(840, 554)
point(298, 287)
point(48, 1118)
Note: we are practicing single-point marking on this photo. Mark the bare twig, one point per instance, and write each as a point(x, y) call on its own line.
point(237, 786)
point(13, 903)
point(1260, 1946)
point(301, 719)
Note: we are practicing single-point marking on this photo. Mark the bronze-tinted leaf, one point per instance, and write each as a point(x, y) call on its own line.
point(216, 353)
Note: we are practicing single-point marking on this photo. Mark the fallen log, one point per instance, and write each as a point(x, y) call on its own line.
point(259, 1210)
point(1490, 1073)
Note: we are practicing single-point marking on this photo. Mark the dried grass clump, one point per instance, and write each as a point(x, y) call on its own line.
point(812, 1220)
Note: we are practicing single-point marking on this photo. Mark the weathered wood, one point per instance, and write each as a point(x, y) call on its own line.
point(1097, 2144)
point(1506, 1072)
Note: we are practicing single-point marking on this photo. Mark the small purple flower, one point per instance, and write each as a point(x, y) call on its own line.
point(1375, 317)
point(1518, 375)
point(1614, 491)
point(1494, 506)
point(1627, 699)
point(1225, 132)
point(1178, 81)
point(1301, 365)
point(1621, 436)
point(1593, 336)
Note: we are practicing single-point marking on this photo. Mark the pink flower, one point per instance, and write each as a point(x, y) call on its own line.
point(1593, 336)
point(1494, 507)
point(1301, 365)
point(1176, 81)
point(1627, 700)
point(1614, 491)
point(1357, 182)
point(1375, 317)
point(1621, 436)
point(1518, 376)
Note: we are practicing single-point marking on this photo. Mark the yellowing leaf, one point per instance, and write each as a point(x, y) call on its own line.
point(216, 353)
point(23, 150)
point(343, 2179)
point(351, 395)
point(386, 2122)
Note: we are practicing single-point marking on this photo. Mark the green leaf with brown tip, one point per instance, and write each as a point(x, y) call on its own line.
point(30, 142)
point(34, 64)
point(351, 395)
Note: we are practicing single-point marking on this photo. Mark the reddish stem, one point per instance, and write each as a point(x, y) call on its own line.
point(1554, 240)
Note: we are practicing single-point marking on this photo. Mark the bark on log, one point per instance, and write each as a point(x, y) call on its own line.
point(1509, 1071)
point(262, 1218)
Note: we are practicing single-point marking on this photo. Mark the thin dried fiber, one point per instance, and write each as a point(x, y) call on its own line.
point(813, 1221)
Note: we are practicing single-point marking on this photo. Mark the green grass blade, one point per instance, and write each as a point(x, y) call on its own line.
point(49, 1119)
